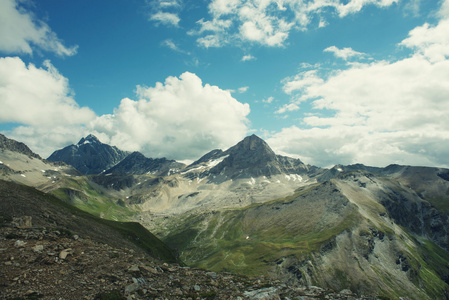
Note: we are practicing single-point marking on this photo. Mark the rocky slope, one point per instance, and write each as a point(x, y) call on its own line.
point(89, 156)
point(342, 233)
point(137, 164)
point(49, 250)
point(15, 146)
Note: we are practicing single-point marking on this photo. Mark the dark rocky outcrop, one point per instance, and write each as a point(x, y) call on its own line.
point(137, 164)
point(12, 145)
point(89, 156)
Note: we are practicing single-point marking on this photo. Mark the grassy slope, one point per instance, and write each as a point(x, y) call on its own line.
point(253, 240)
point(45, 209)
point(79, 192)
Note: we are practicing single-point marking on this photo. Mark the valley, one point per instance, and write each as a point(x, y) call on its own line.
point(379, 232)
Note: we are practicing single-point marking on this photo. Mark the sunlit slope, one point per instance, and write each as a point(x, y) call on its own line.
point(335, 234)
point(64, 182)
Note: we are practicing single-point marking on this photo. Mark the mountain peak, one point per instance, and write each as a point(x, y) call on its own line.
point(89, 156)
point(251, 143)
point(89, 139)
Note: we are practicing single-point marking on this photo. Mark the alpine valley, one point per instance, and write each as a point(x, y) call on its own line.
point(378, 232)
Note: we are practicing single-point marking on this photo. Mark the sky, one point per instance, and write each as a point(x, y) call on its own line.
point(327, 81)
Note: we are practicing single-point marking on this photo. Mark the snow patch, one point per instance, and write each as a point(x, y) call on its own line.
point(1, 162)
point(294, 177)
point(252, 181)
point(339, 169)
point(209, 165)
point(215, 162)
point(23, 175)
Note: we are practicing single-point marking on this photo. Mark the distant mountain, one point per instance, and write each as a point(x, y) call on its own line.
point(90, 156)
point(137, 164)
point(252, 157)
point(12, 145)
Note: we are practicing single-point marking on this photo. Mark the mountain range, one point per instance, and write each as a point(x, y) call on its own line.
point(380, 232)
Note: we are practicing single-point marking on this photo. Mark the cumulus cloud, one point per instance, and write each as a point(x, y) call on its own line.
point(37, 96)
point(20, 32)
point(270, 22)
point(382, 112)
point(180, 118)
point(40, 101)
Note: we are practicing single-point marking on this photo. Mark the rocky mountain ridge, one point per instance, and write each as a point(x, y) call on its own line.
point(89, 155)
point(380, 232)
point(252, 157)
point(137, 164)
point(15, 146)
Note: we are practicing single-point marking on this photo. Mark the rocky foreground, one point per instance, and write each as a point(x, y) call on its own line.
point(51, 263)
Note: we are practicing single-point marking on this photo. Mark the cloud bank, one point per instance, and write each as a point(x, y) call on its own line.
point(383, 112)
point(270, 22)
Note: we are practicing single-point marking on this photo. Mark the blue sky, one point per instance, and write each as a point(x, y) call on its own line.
point(327, 81)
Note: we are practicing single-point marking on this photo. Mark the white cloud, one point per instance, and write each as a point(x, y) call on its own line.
point(354, 6)
point(268, 100)
point(20, 32)
point(381, 112)
point(243, 89)
point(248, 57)
point(170, 44)
point(269, 22)
point(40, 100)
point(430, 41)
point(181, 118)
point(37, 96)
point(210, 41)
point(44, 140)
point(287, 108)
point(344, 53)
point(166, 18)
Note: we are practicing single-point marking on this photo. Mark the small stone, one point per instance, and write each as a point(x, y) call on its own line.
point(76, 237)
point(20, 243)
point(212, 275)
point(196, 287)
point(134, 269)
point(63, 254)
point(38, 248)
point(346, 292)
point(131, 288)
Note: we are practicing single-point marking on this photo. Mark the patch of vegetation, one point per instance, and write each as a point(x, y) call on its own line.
point(110, 295)
point(80, 193)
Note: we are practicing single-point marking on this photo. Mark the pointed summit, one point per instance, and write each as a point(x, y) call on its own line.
point(90, 156)
point(90, 139)
point(251, 157)
point(251, 143)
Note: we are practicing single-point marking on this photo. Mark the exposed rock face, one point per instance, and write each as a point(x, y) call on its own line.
point(12, 145)
point(137, 164)
point(89, 156)
point(252, 157)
